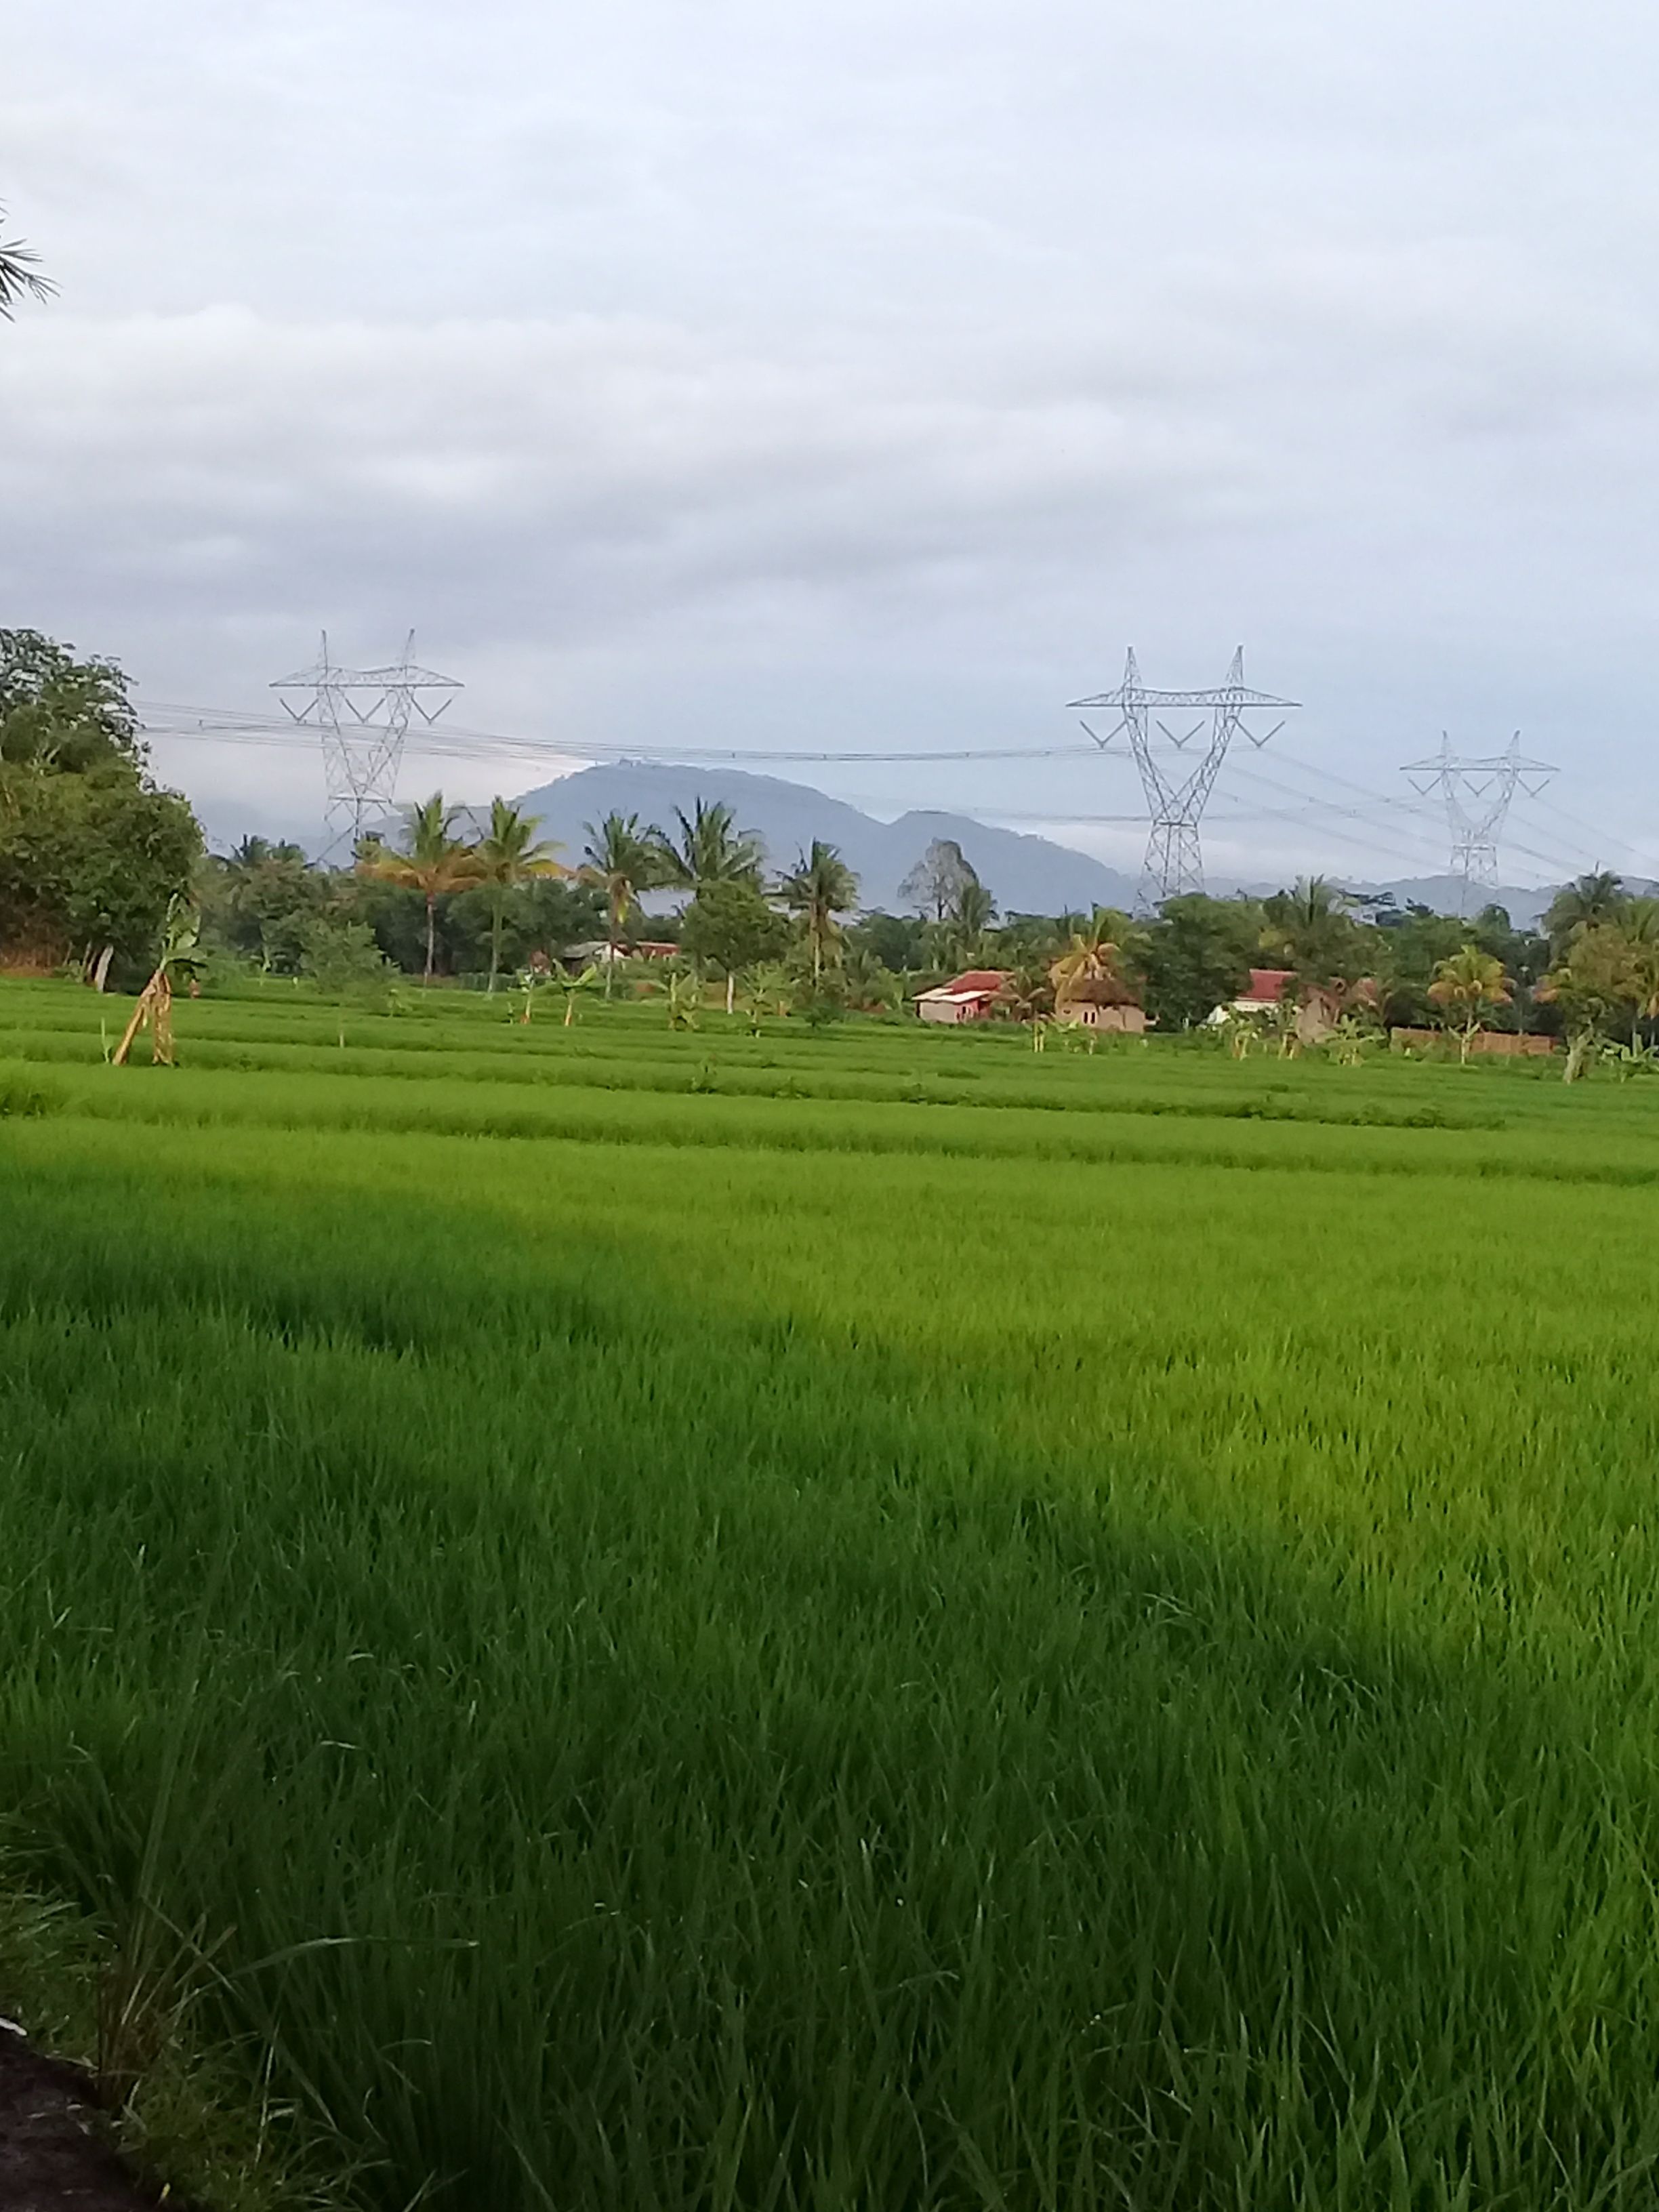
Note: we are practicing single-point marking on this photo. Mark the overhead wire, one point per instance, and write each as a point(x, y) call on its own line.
point(1562, 854)
point(188, 723)
point(222, 722)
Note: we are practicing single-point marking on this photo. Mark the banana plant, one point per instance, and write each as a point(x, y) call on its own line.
point(180, 959)
point(683, 995)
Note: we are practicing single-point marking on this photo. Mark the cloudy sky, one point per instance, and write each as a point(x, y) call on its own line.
point(861, 376)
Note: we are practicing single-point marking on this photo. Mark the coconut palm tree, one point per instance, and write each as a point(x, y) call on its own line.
point(622, 857)
point(821, 888)
point(1638, 925)
point(433, 861)
point(1027, 994)
point(509, 855)
point(710, 849)
point(1465, 986)
point(1311, 930)
point(964, 935)
point(1097, 955)
point(20, 275)
point(1589, 903)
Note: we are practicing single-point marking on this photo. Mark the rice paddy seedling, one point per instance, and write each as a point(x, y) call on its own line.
point(684, 1649)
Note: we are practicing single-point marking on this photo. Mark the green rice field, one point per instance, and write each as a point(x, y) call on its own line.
point(864, 1621)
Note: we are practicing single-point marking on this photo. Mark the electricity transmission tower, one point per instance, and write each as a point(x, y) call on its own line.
point(1175, 800)
point(364, 717)
point(1477, 795)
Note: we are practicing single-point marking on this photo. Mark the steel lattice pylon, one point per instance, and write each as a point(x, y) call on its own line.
point(1175, 861)
point(1477, 795)
point(363, 745)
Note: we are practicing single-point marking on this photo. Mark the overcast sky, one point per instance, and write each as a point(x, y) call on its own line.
point(865, 374)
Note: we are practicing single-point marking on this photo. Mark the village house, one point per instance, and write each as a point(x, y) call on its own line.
point(600, 952)
point(1319, 1006)
point(1103, 1004)
point(969, 997)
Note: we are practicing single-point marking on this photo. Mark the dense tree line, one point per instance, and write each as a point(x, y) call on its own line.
point(91, 848)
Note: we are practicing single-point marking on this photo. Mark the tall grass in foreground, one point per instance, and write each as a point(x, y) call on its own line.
point(730, 1679)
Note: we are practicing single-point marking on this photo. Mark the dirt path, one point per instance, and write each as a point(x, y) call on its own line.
point(52, 2158)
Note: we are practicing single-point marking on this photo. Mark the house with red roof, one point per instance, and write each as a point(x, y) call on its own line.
point(1320, 1004)
point(969, 997)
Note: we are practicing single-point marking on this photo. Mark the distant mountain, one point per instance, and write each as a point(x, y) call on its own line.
point(1525, 908)
point(1025, 875)
point(1443, 895)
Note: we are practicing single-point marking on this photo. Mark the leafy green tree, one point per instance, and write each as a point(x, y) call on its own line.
point(1407, 955)
point(1033, 939)
point(509, 856)
point(1593, 984)
point(1465, 987)
point(820, 1000)
point(58, 712)
point(260, 900)
point(820, 889)
point(92, 851)
point(87, 865)
point(433, 861)
point(551, 914)
point(1525, 953)
point(710, 849)
point(869, 983)
point(732, 925)
point(622, 857)
point(1198, 957)
point(894, 940)
point(344, 959)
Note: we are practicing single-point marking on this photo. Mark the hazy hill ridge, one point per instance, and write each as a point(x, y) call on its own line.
point(1026, 875)
point(1030, 875)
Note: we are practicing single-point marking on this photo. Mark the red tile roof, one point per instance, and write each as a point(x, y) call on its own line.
point(989, 980)
point(1267, 985)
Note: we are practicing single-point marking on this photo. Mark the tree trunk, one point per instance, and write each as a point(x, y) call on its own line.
point(101, 967)
point(730, 988)
point(431, 926)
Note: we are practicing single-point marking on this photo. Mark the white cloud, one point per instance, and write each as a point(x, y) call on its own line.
point(869, 374)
